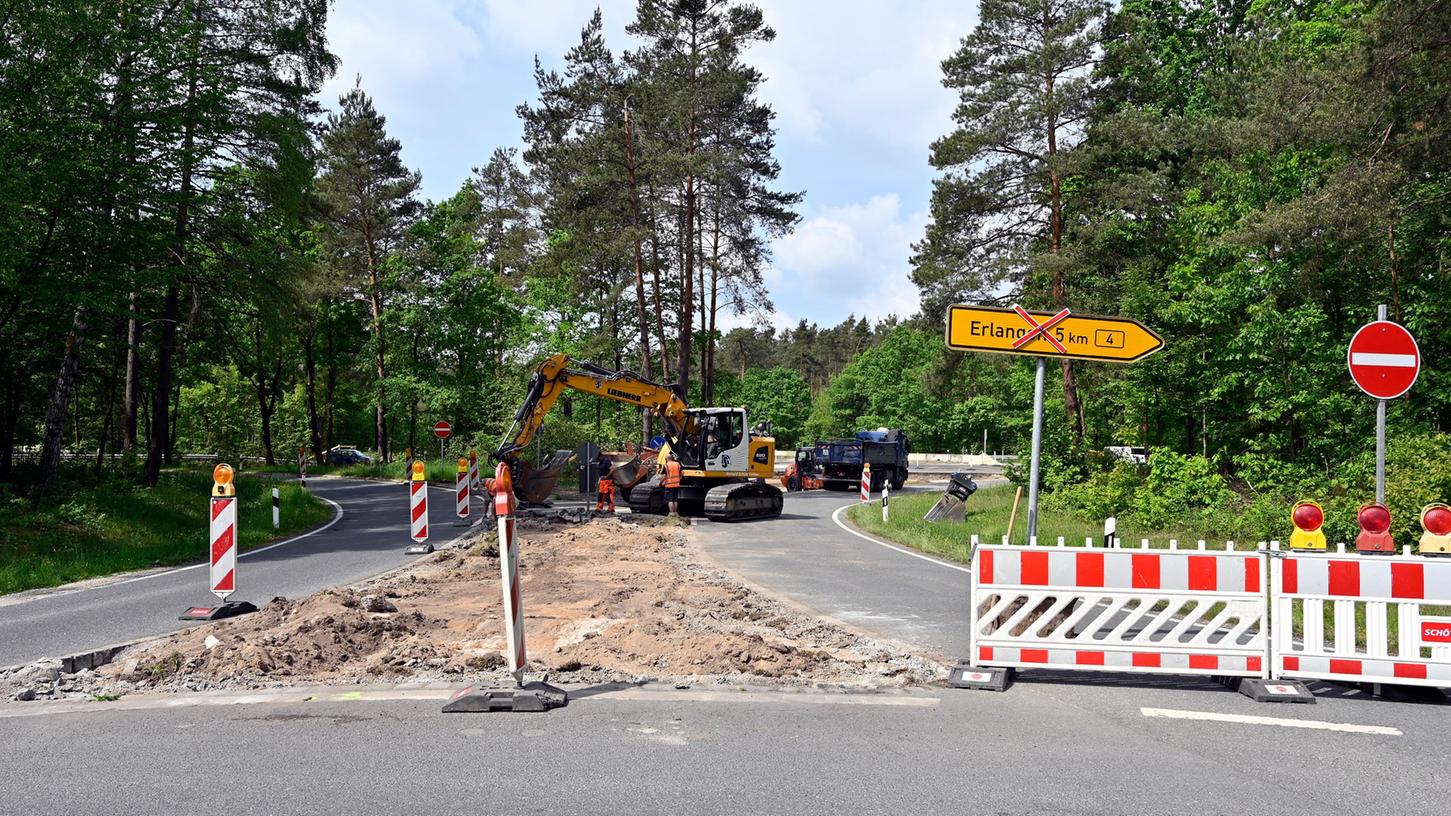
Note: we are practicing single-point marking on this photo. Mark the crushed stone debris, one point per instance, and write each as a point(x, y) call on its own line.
point(607, 600)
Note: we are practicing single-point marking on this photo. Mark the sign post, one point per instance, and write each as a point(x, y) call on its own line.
point(222, 577)
point(1059, 334)
point(1384, 361)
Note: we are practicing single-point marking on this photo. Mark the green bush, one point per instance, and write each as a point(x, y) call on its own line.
point(1176, 485)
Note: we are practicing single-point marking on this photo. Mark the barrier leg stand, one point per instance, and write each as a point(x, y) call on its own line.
point(222, 577)
point(1272, 688)
point(521, 696)
point(965, 675)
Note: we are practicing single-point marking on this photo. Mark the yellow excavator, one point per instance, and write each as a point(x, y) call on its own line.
point(724, 461)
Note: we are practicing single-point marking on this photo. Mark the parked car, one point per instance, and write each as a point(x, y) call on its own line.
point(347, 455)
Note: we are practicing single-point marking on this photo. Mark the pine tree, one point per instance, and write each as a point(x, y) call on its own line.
point(1025, 89)
point(366, 198)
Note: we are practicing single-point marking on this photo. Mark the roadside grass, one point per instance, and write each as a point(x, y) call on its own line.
point(987, 515)
point(95, 529)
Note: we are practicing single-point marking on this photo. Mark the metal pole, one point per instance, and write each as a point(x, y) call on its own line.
point(1037, 452)
point(1380, 435)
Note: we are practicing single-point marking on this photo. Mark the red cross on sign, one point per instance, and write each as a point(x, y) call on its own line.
point(1040, 329)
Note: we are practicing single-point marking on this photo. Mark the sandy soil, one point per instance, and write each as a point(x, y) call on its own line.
point(606, 601)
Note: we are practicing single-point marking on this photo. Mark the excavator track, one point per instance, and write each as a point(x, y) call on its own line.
point(743, 500)
point(648, 497)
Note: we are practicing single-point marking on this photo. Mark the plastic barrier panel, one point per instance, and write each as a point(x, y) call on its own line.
point(1361, 618)
point(1173, 611)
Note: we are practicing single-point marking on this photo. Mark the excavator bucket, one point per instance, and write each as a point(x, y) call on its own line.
point(629, 469)
point(535, 484)
point(953, 504)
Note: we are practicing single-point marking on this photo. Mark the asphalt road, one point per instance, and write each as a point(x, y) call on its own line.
point(369, 537)
point(809, 558)
point(1046, 748)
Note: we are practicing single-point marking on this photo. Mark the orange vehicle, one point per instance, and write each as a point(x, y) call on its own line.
point(802, 474)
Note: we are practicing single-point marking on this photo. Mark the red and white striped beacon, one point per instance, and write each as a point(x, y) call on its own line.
point(222, 538)
point(473, 470)
point(504, 504)
point(418, 511)
point(866, 482)
point(461, 491)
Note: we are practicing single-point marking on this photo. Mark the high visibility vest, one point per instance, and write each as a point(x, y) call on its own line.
point(672, 474)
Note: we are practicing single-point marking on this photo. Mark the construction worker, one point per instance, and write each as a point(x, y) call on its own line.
point(671, 483)
point(606, 494)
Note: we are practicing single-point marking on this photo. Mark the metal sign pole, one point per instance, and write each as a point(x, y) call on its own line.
point(1037, 453)
point(1380, 435)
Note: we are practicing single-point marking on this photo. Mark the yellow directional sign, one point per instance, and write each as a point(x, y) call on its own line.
point(1049, 334)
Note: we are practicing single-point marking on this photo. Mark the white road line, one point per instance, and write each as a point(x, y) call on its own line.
point(1393, 360)
point(836, 517)
point(1246, 719)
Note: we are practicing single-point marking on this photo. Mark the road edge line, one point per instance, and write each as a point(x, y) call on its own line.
point(1282, 722)
point(836, 517)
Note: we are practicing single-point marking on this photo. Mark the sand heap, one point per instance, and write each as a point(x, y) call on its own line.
point(610, 600)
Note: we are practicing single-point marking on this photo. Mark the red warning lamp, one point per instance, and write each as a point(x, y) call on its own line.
point(1308, 517)
point(1375, 525)
point(1436, 522)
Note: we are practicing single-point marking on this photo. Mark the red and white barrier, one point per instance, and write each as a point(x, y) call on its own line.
point(461, 493)
point(224, 546)
point(1157, 611)
point(418, 510)
point(474, 471)
point(504, 504)
point(1384, 593)
point(866, 482)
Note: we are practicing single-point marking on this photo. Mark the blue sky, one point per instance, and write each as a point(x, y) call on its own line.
point(856, 86)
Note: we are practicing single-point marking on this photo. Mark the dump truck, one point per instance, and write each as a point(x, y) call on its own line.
point(839, 461)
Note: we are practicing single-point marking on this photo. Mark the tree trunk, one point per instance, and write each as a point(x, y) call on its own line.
point(1071, 405)
point(709, 370)
point(133, 374)
point(61, 391)
point(635, 222)
point(655, 287)
point(687, 296)
point(375, 303)
point(158, 441)
point(331, 384)
point(309, 371)
point(110, 418)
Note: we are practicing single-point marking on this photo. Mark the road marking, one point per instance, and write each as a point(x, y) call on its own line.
point(1247, 719)
point(836, 517)
point(1392, 360)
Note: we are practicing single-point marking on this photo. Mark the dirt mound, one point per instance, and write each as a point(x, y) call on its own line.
point(604, 601)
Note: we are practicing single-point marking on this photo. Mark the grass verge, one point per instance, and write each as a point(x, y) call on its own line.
point(988, 511)
point(115, 526)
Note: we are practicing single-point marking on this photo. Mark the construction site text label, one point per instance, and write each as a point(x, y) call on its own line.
point(1083, 337)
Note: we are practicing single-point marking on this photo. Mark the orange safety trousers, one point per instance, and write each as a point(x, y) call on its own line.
point(606, 495)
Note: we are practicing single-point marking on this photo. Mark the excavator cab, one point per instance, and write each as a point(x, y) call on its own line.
point(716, 442)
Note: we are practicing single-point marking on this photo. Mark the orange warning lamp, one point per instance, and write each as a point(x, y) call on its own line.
point(1375, 526)
point(418, 471)
point(1436, 522)
point(502, 486)
point(1308, 517)
point(222, 480)
point(463, 465)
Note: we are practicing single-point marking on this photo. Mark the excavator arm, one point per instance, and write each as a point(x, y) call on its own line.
point(554, 377)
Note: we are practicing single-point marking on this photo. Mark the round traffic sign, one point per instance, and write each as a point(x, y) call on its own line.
point(442, 429)
point(1384, 359)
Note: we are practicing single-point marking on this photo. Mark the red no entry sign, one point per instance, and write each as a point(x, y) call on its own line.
point(442, 429)
point(1384, 359)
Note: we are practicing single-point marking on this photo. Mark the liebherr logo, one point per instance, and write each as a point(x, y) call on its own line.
point(622, 395)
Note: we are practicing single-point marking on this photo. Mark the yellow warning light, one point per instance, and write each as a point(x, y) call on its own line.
point(222, 480)
point(463, 465)
point(1436, 522)
point(418, 471)
point(1308, 517)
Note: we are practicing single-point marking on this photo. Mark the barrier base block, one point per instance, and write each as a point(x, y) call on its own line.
point(534, 696)
point(1274, 691)
point(419, 549)
point(213, 613)
point(967, 676)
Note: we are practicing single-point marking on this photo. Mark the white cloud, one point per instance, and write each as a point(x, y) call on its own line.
point(401, 49)
point(852, 259)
